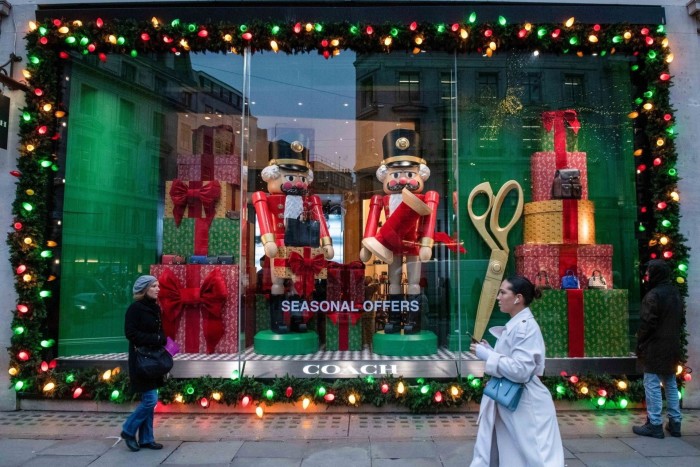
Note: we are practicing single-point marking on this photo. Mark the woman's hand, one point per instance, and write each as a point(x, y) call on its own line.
point(482, 350)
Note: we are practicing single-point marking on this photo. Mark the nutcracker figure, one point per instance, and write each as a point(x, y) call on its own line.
point(288, 216)
point(408, 233)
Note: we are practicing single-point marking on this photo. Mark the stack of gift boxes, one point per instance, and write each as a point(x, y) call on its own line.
point(559, 237)
point(199, 299)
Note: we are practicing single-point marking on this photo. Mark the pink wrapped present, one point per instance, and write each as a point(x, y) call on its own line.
point(209, 167)
point(555, 260)
point(543, 166)
point(200, 306)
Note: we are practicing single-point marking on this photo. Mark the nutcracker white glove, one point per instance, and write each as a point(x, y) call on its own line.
point(483, 352)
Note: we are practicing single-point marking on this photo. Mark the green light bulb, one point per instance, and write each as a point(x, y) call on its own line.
point(70, 40)
point(639, 101)
point(623, 403)
point(560, 389)
point(115, 395)
point(370, 379)
point(661, 29)
point(617, 39)
point(541, 32)
point(27, 206)
point(121, 40)
point(275, 29)
point(475, 383)
point(502, 21)
point(672, 172)
point(243, 28)
point(175, 23)
point(269, 394)
point(683, 267)
point(642, 228)
point(189, 389)
point(666, 223)
point(45, 293)
point(191, 27)
point(394, 32)
point(133, 53)
point(424, 389)
point(601, 401)
point(34, 60)
point(649, 94)
point(441, 28)
point(26, 116)
point(42, 30)
point(634, 67)
point(46, 254)
point(84, 41)
point(321, 391)
point(318, 27)
point(45, 164)
point(472, 17)
point(18, 330)
point(235, 375)
point(19, 385)
point(652, 54)
point(70, 378)
point(354, 30)
point(573, 41)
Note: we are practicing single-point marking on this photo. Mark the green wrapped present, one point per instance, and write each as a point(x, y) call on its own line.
point(343, 331)
point(603, 331)
point(551, 314)
point(193, 238)
point(262, 312)
point(606, 323)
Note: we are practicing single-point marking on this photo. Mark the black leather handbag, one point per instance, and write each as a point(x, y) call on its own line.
point(567, 184)
point(153, 362)
point(302, 233)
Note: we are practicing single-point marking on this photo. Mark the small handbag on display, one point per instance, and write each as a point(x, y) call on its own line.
point(302, 233)
point(505, 392)
point(597, 281)
point(542, 281)
point(567, 184)
point(570, 281)
point(153, 362)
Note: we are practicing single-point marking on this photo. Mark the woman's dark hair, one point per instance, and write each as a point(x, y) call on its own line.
point(522, 285)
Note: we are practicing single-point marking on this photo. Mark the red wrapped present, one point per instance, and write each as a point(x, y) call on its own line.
point(200, 306)
point(555, 260)
point(301, 264)
point(225, 168)
point(346, 282)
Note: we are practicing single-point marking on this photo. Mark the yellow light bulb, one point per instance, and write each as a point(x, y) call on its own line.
point(228, 37)
point(335, 42)
point(663, 240)
point(679, 369)
point(77, 23)
point(492, 45)
point(675, 196)
point(463, 33)
point(622, 385)
point(305, 403)
point(259, 411)
point(49, 386)
point(32, 26)
point(106, 375)
point(664, 42)
point(309, 27)
point(489, 52)
point(418, 40)
point(155, 22)
point(528, 26)
point(29, 192)
point(273, 45)
point(30, 147)
point(633, 115)
point(584, 390)
point(216, 396)
point(638, 152)
point(660, 142)
point(47, 107)
point(60, 114)
point(64, 30)
point(400, 388)
point(648, 106)
point(570, 22)
point(51, 243)
point(26, 74)
point(352, 399)
point(28, 240)
point(454, 390)
point(669, 58)
point(13, 371)
point(387, 41)
point(178, 398)
point(112, 39)
point(27, 278)
point(593, 38)
point(627, 35)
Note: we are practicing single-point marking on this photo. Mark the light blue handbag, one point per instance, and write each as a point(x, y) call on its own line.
point(505, 392)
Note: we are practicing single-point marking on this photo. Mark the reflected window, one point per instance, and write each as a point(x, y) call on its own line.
point(487, 88)
point(127, 113)
point(128, 72)
point(573, 89)
point(367, 99)
point(447, 84)
point(409, 86)
point(532, 88)
point(88, 100)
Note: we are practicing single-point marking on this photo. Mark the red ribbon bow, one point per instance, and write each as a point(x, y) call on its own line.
point(183, 197)
point(557, 120)
point(305, 269)
point(210, 297)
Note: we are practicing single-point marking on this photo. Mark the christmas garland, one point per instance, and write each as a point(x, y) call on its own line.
point(33, 239)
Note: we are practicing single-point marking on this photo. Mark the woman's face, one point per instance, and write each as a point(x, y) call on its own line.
point(507, 300)
point(152, 290)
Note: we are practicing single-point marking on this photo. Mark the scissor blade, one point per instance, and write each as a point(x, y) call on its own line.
point(489, 291)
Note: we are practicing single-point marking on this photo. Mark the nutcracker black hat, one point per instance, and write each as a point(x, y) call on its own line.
point(290, 152)
point(402, 148)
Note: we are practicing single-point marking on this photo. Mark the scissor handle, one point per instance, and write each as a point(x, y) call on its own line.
point(479, 221)
point(501, 233)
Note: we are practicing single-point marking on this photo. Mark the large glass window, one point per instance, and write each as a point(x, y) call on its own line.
point(177, 169)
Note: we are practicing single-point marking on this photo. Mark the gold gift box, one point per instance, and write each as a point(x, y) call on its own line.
point(544, 223)
point(280, 263)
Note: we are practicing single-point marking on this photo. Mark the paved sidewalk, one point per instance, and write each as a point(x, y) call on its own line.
point(591, 438)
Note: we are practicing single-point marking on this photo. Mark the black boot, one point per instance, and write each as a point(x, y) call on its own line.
point(654, 431)
point(394, 321)
point(416, 308)
point(674, 428)
point(296, 321)
point(276, 316)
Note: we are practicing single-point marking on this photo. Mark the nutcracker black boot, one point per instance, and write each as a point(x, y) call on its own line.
point(296, 321)
point(394, 319)
point(416, 307)
point(276, 315)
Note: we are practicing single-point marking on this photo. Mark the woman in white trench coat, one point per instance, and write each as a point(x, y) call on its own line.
point(528, 436)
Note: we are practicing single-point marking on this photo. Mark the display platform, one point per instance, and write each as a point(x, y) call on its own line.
point(405, 345)
point(293, 343)
point(444, 363)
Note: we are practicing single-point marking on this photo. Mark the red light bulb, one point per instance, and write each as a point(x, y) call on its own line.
point(44, 366)
point(324, 43)
point(556, 33)
point(99, 22)
point(43, 41)
point(202, 33)
point(17, 226)
point(22, 308)
point(657, 162)
point(297, 28)
point(413, 26)
point(455, 27)
point(602, 392)
point(329, 397)
point(661, 205)
point(145, 37)
point(369, 30)
point(667, 117)
point(573, 379)
point(488, 33)
point(438, 397)
point(644, 31)
point(385, 388)
point(77, 392)
point(20, 269)
point(57, 22)
point(289, 391)
point(664, 77)
point(668, 254)
point(63, 55)
point(247, 36)
point(23, 355)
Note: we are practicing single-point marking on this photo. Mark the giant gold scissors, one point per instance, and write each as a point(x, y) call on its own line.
point(497, 239)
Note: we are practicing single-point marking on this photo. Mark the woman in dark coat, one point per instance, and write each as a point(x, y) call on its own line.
point(659, 349)
point(142, 327)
